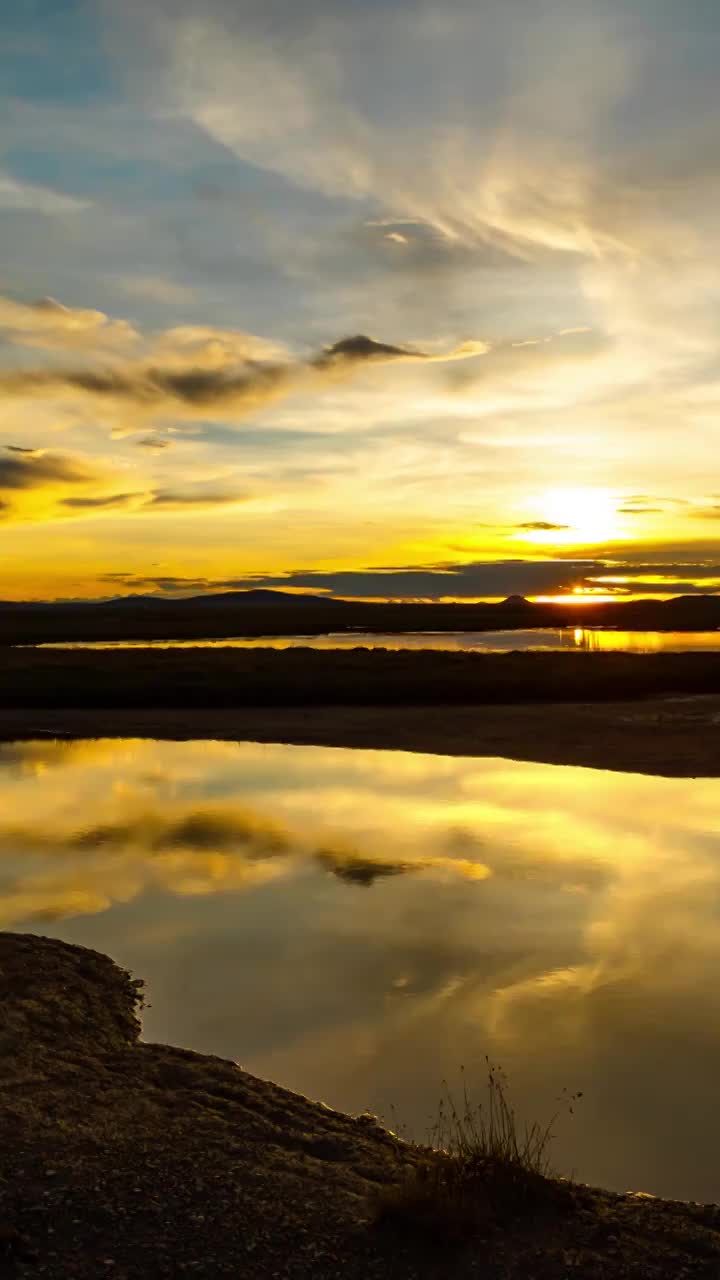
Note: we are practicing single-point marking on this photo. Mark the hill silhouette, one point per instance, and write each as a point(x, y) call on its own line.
point(261, 612)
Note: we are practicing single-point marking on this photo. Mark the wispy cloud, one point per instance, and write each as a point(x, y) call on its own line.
point(15, 194)
point(153, 288)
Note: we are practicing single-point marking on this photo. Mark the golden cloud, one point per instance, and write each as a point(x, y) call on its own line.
point(51, 326)
point(36, 484)
point(187, 370)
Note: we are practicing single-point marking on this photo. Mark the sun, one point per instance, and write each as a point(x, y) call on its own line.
point(575, 516)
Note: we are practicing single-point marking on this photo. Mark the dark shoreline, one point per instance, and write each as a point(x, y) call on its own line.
point(668, 737)
point(130, 1160)
point(262, 678)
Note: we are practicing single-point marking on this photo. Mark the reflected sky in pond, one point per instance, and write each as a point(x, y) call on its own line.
point(357, 925)
point(554, 639)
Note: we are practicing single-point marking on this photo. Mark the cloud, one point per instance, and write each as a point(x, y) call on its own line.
point(355, 869)
point(15, 194)
point(213, 348)
point(151, 500)
point(541, 525)
point(460, 121)
point(361, 348)
point(470, 581)
point(34, 484)
point(706, 513)
point(186, 370)
point(153, 288)
point(34, 468)
point(101, 503)
point(188, 498)
point(154, 442)
point(49, 325)
point(478, 580)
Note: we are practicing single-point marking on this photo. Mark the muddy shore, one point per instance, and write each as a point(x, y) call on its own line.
point(128, 1160)
point(669, 737)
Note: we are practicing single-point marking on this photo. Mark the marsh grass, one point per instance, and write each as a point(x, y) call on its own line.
point(481, 1166)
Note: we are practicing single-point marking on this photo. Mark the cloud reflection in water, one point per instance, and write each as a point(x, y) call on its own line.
point(358, 924)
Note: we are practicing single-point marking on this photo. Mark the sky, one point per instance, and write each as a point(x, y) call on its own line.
point(401, 299)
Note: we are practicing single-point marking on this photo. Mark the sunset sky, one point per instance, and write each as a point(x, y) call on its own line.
point(388, 298)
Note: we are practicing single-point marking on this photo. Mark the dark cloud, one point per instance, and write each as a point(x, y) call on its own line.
point(541, 525)
point(145, 386)
point(478, 580)
point(357, 870)
point(470, 581)
point(30, 470)
point(112, 500)
point(18, 448)
point(640, 511)
point(153, 442)
point(138, 581)
point(361, 348)
point(155, 498)
point(170, 497)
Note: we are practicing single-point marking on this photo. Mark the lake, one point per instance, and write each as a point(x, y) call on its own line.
point(553, 639)
point(358, 925)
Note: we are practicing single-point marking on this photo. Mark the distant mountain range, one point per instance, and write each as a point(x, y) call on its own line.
point(262, 611)
point(267, 598)
point(257, 596)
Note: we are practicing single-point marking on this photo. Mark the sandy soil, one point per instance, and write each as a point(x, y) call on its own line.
point(670, 737)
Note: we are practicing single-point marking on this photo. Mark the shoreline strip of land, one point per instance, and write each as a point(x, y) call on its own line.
point(667, 737)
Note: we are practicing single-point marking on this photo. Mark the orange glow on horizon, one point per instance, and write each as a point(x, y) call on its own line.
point(580, 597)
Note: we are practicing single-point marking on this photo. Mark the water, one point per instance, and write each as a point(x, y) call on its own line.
point(356, 925)
point(552, 639)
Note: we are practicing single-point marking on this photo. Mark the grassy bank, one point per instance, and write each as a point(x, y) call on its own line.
point(305, 677)
point(131, 1160)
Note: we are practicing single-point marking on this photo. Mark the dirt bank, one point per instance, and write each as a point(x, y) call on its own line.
point(670, 737)
point(129, 1160)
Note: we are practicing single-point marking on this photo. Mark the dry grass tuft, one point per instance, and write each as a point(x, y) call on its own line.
point(480, 1167)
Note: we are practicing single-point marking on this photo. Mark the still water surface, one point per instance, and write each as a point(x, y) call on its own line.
point(356, 925)
point(547, 638)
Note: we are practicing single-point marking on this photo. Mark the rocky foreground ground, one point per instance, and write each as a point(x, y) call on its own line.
point(122, 1159)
